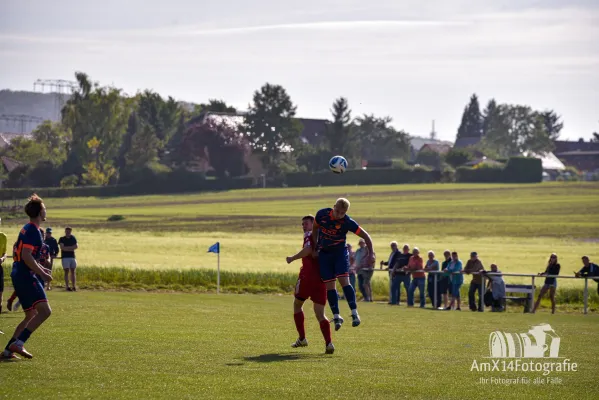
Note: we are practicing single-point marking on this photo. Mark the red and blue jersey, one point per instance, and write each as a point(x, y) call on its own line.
point(43, 254)
point(332, 233)
point(29, 238)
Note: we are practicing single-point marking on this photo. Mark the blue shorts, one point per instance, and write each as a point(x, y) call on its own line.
point(333, 263)
point(455, 289)
point(30, 291)
point(443, 285)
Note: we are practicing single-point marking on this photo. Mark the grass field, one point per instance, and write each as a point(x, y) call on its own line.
point(183, 346)
point(516, 226)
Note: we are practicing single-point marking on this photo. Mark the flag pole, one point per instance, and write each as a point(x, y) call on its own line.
point(218, 271)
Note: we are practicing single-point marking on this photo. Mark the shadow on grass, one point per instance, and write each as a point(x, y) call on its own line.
point(276, 357)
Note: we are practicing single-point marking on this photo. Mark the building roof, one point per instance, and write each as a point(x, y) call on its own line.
point(7, 137)
point(464, 142)
point(579, 153)
point(9, 163)
point(548, 160)
point(563, 146)
point(440, 148)
point(314, 130)
point(417, 142)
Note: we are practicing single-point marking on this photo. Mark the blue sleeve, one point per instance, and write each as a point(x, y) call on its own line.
point(352, 225)
point(318, 216)
point(74, 240)
point(32, 238)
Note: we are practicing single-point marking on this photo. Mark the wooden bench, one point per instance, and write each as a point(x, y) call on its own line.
point(528, 290)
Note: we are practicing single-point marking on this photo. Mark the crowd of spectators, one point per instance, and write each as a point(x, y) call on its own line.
point(408, 268)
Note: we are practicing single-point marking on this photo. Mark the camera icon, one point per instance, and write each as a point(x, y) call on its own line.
point(540, 341)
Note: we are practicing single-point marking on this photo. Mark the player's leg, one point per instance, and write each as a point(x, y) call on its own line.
point(326, 263)
point(37, 310)
point(342, 274)
point(325, 327)
point(298, 317)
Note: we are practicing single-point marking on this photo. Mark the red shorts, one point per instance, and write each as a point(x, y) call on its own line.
point(311, 287)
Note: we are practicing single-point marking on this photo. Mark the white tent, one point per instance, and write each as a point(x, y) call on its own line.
point(549, 161)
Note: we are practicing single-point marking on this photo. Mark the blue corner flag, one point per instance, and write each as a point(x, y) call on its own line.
point(215, 248)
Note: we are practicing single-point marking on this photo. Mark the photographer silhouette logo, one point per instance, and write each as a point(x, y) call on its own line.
point(540, 341)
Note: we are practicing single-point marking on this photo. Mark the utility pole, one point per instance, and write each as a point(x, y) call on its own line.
point(59, 87)
point(433, 134)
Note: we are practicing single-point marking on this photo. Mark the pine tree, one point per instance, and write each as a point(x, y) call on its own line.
point(471, 125)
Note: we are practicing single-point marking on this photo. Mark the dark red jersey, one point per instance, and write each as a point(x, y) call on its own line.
point(310, 267)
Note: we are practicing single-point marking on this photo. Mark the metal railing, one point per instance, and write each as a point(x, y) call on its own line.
point(485, 274)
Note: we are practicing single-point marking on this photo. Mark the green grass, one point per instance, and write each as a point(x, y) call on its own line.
point(184, 346)
point(515, 226)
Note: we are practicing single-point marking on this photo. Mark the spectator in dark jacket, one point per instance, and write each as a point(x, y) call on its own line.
point(550, 285)
point(399, 276)
point(393, 291)
point(444, 281)
point(589, 269)
point(475, 265)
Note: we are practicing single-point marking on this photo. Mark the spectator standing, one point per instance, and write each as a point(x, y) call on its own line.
point(52, 244)
point(433, 265)
point(366, 270)
point(474, 265)
point(399, 275)
point(415, 267)
point(444, 284)
point(588, 269)
point(550, 285)
point(68, 245)
point(457, 279)
point(352, 266)
point(359, 257)
point(393, 290)
point(497, 286)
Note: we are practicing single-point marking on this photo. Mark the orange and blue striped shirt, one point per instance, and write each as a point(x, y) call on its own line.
point(332, 233)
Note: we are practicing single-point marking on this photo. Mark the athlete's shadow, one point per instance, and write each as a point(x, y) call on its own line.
point(278, 357)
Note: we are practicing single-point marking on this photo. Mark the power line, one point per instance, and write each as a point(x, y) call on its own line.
point(60, 87)
point(22, 120)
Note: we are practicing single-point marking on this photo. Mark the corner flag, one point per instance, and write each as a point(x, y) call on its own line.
point(215, 248)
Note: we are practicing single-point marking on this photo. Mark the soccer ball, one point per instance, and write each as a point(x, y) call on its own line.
point(338, 164)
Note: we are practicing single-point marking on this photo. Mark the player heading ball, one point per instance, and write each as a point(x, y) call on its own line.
point(330, 230)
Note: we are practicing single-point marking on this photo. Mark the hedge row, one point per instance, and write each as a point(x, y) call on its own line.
point(371, 176)
point(165, 183)
point(516, 170)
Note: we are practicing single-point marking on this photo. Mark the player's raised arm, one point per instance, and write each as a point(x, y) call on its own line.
point(305, 252)
point(364, 235)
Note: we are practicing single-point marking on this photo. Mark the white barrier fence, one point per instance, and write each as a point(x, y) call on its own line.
point(486, 274)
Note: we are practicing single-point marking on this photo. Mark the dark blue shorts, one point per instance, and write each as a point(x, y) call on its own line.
point(333, 263)
point(30, 291)
point(443, 285)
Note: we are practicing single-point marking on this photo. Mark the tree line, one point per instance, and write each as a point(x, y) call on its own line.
point(106, 137)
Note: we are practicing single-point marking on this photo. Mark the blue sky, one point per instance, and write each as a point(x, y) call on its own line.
point(412, 60)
